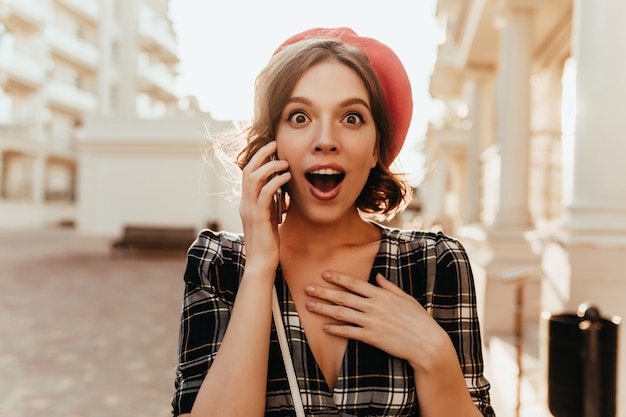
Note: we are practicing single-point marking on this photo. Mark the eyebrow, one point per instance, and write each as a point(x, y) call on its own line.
point(352, 101)
point(344, 103)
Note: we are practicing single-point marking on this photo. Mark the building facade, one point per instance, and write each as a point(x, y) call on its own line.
point(62, 61)
point(526, 168)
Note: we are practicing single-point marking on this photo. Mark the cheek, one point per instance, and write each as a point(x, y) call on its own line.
point(373, 161)
point(285, 150)
point(368, 162)
point(288, 143)
point(369, 156)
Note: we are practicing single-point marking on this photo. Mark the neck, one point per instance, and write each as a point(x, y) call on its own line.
point(351, 229)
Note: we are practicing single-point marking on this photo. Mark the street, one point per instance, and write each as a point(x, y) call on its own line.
point(82, 333)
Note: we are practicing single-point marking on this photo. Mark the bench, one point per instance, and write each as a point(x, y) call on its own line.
point(154, 238)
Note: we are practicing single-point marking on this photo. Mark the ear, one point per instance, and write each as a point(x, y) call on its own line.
point(375, 156)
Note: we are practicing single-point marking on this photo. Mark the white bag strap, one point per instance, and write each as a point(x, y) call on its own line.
point(284, 349)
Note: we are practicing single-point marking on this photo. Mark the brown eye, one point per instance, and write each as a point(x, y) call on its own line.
point(353, 119)
point(298, 117)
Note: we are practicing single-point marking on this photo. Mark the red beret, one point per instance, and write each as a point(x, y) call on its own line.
point(389, 70)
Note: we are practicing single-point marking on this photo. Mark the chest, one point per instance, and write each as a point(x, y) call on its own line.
point(370, 383)
point(363, 380)
point(300, 271)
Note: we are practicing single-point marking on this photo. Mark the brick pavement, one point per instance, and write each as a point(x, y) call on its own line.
point(82, 334)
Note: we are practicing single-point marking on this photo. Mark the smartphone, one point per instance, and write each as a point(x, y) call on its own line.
point(278, 198)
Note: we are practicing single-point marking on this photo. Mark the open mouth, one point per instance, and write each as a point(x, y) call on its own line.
point(325, 179)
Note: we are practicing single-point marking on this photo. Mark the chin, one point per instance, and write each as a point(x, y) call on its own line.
point(326, 216)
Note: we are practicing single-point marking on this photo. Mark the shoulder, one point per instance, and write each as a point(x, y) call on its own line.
point(413, 247)
point(215, 263)
point(217, 247)
point(415, 239)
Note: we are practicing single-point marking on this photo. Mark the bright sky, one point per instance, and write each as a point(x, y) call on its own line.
point(224, 44)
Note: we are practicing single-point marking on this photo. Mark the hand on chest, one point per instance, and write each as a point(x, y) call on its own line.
point(299, 271)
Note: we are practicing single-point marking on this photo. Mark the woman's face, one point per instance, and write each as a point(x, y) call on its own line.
point(328, 135)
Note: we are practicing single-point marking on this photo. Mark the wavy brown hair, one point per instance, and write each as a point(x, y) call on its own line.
point(384, 193)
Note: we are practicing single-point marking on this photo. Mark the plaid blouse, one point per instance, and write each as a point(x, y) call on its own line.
point(431, 267)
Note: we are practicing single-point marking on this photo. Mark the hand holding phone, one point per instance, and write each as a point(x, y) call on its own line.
point(278, 198)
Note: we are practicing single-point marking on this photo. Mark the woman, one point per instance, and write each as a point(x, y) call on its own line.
point(379, 322)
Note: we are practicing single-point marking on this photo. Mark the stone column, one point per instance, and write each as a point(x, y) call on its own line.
point(106, 79)
point(513, 120)
point(478, 94)
point(511, 253)
point(598, 206)
point(127, 51)
point(584, 263)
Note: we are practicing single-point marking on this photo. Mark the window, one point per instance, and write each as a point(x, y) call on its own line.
point(6, 107)
point(17, 176)
point(59, 181)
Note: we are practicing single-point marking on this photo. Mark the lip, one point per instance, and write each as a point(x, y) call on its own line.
point(334, 166)
point(325, 195)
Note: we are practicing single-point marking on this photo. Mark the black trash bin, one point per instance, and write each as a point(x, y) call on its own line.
point(582, 364)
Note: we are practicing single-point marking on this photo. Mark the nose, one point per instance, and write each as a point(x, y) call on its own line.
point(325, 138)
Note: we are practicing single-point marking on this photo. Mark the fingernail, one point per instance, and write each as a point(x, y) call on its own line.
point(310, 304)
point(326, 275)
point(309, 289)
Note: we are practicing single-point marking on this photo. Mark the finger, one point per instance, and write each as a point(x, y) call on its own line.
point(279, 180)
point(384, 283)
point(345, 330)
point(262, 155)
point(270, 188)
point(260, 172)
point(388, 285)
point(337, 297)
point(339, 313)
point(254, 205)
point(261, 167)
point(351, 283)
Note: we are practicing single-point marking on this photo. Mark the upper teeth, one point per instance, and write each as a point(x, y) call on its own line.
point(325, 171)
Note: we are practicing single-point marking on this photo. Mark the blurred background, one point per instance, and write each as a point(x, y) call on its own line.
point(106, 111)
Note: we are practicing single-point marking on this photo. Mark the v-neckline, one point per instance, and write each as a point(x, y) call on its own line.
point(294, 322)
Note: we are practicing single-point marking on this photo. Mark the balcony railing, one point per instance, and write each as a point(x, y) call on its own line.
point(157, 79)
point(156, 35)
point(73, 48)
point(18, 131)
point(29, 15)
point(89, 10)
point(61, 144)
point(70, 98)
point(17, 67)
